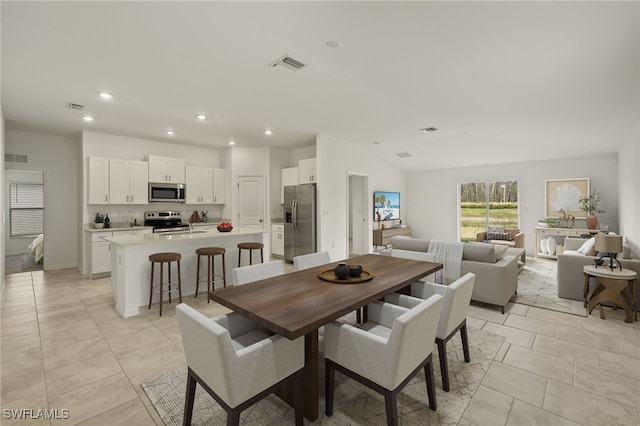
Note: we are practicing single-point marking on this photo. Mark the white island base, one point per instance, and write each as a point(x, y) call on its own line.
point(131, 269)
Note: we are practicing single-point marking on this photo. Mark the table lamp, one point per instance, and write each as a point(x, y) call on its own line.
point(608, 245)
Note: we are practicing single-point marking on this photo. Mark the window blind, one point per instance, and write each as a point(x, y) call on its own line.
point(26, 208)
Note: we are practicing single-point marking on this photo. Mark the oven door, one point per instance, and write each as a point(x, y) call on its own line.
point(172, 193)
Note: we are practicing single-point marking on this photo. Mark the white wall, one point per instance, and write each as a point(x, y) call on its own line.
point(17, 245)
point(56, 156)
point(432, 204)
point(2, 203)
point(629, 187)
point(335, 157)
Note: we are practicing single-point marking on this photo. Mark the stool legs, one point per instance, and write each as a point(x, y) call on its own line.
point(211, 273)
point(250, 256)
point(169, 283)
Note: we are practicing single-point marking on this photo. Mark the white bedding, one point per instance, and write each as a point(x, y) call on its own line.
point(37, 248)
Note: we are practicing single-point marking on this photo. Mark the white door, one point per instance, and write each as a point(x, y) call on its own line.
point(358, 229)
point(251, 202)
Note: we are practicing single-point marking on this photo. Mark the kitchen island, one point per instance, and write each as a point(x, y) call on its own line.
point(131, 269)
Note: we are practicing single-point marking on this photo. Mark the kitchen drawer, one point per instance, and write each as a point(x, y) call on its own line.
point(97, 236)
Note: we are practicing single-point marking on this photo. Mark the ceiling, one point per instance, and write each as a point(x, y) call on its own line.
point(501, 81)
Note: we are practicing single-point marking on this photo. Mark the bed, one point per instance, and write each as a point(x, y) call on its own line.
point(37, 248)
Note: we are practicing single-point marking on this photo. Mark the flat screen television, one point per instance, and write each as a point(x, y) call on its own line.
point(386, 205)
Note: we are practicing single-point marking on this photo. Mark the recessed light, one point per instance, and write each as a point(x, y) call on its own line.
point(87, 118)
point(201, 117)
point(232, 143)
point(428, 129)
point(268, 132)
point(334, 44)
point(106, 95)
point(170, 132)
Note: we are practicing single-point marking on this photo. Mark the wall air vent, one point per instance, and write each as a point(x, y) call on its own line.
point(21, 158)
point(76, 107)
point(9, 158)
point(15, 158)
point(287, 64)
point(403, 154)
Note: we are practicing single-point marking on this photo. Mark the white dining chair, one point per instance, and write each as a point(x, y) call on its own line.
point(236, 363)
point(385, 352)
point(453, 317)
point(416, 255)
point(306, 261)
point(259, 271)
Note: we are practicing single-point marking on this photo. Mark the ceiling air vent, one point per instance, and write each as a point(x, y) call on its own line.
point(21, 158)
point(287, 64)
point(76, 107)
point(15, 158)
point(403, 154)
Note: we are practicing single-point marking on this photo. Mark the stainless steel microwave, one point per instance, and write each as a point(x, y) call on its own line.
point(167, 192)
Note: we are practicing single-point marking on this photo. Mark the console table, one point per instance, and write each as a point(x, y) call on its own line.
point(558, 234)
point(611, 284)
point(382, 237)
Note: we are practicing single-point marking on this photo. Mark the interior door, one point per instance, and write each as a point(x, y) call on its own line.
point(251, 208)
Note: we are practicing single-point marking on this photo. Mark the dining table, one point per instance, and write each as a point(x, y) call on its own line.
point(299, 303)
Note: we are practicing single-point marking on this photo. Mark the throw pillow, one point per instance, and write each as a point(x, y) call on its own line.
point(588, 247)
point(495, 229)
point(479, 252)
point(504, 236)
point(500, 252)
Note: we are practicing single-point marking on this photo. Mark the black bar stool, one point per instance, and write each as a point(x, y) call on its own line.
point(210, 253)
point(163, 258)
point(251, 247)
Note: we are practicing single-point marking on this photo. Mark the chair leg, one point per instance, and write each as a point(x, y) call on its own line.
point(233, 417)
point(169, 282)
point(391, 405)
point(179, 283)
point(197, 275)
point(502, 309)
point(250, 257)
point(431, 386)
point(261, 256)
point(189, 399)
point(211, 269)
point(151, 286)
point(239, 256)
point(161, 285)
point(330, 375)
point(358, 316)
point(224, 273)
point(465, 342)
point(298, 397)
point(444, 369)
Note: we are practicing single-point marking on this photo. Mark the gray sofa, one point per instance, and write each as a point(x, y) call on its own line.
point(496, 280)
point(570, 277)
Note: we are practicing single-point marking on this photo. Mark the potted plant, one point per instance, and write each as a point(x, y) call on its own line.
point(589, 204)
point(99, 220)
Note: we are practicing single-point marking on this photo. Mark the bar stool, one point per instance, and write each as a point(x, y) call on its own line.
point(210, 252)
point(163, 258)
point(251, 247)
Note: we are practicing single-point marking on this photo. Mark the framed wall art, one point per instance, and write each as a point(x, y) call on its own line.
point(564, 194)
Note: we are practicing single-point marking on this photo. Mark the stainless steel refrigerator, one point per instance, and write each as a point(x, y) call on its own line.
point(299, 220)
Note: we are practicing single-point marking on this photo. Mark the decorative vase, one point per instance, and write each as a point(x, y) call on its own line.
point(592, 221)
point(551, 245)
point(342, 271)
point(543, 246)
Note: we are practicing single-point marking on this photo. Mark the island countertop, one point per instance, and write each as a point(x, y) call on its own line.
point(127, 240)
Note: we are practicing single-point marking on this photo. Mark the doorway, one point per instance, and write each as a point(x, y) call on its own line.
point(24, 227)
point(251, 207)
point(357, 207)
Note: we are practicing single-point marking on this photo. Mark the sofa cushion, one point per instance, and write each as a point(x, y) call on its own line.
point(408, 243)
point(505, 236)
point(479, 252)
point(588, 247)
point(500, 251)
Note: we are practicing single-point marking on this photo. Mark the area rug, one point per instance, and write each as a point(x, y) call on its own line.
point(354, 404)
point(537, 286)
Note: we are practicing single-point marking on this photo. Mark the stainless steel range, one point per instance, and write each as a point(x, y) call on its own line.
point(166, 221)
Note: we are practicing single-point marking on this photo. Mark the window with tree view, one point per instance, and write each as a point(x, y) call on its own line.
point(483, 204)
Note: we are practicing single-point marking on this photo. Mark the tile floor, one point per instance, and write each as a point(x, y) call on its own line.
point(64, 347)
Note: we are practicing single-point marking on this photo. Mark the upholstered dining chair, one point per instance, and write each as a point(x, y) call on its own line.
point(385, 352)
point(453, 317)
point(236, 363)
point(311, 260)
point(416, 255)
point(259, 271)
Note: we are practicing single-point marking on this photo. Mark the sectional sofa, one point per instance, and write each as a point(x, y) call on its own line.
point(496, 267)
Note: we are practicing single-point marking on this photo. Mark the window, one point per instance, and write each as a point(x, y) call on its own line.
point(26, 209)
point(487, 203)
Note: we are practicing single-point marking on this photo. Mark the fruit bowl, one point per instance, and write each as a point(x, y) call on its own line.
point(224, 227)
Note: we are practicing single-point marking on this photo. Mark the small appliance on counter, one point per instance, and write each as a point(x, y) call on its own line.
point(166, 221)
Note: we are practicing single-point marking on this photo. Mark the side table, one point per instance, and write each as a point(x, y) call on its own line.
point(611, 284)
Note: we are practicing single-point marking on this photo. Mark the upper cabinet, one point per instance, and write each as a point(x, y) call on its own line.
point(128, 181)
point(199, 185)
point(288, 176)
point(307, 171)
point(166, 169)
point(218, 186)
point(98, 185)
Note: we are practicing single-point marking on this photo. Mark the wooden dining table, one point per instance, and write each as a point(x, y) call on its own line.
point(299, 303)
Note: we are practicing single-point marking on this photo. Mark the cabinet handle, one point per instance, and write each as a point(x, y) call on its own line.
point(105, 198)
point(131, 198)
point(166, 178)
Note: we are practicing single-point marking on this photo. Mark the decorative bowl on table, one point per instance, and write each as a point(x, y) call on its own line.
point(355, 270)
point(224, 227)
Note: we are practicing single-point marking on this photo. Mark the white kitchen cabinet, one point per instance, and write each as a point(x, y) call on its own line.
point(128, 181)
point(166, 169)
point(307, 171)
point(288, 176)
point(99, 250)
point(98, 182)
point(199, 185)
point(219, 186)
point(277, 240)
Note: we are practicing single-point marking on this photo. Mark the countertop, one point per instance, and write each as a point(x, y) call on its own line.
point(90, 228)
point(127, 240)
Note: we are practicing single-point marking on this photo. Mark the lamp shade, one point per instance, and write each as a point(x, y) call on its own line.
point(608, 243)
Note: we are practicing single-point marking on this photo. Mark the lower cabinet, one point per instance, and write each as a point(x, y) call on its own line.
point(99, 250)
point(277, 240)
